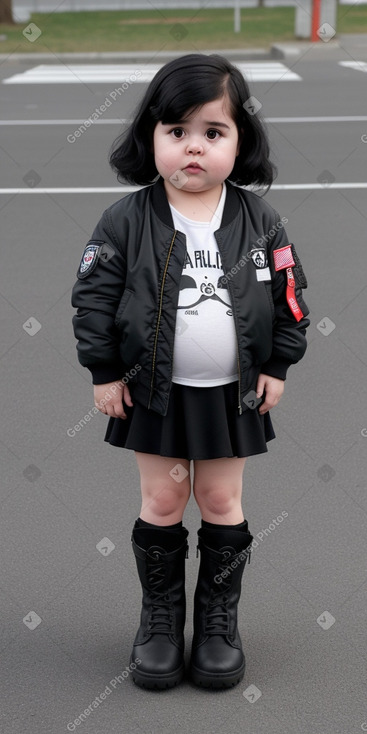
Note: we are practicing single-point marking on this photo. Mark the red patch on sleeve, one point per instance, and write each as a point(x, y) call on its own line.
point(283, 258)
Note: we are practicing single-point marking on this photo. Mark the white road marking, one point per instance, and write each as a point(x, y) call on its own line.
point(356, 65)
point(123, 121)
point(259, 71)
point(263, 71)
point(335, 118)
point(107, 121)
point(129, 189)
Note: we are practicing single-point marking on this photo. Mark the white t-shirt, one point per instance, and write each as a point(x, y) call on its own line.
point(205, 340)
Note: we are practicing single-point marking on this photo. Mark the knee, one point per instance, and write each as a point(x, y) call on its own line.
point(218, 500)
point(165, 501)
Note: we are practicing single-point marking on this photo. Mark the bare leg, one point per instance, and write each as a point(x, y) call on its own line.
point(218, 489)
point(164, 497)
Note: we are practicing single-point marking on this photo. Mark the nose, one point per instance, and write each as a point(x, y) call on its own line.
point(194, 147)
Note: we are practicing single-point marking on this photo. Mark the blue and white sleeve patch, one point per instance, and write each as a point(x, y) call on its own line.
point(89, 259)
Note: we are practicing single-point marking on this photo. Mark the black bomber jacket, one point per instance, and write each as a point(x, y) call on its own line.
point(127, 292)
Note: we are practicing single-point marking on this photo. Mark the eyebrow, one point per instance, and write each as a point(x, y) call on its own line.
point(216, 124)
point(206, 122)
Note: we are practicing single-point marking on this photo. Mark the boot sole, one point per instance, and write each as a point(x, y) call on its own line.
point(213, 680)
point(158, 682)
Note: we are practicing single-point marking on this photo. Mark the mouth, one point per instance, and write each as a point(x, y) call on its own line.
point(193, 167)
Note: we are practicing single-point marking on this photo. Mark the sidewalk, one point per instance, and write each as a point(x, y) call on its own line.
point(346, 45)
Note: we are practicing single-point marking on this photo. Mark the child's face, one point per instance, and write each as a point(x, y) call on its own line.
point(208, 138)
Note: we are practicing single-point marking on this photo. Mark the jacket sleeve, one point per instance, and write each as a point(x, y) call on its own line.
point(289, 335)
point(96, 296)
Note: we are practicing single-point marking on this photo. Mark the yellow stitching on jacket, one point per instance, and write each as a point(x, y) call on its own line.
point(159, 316)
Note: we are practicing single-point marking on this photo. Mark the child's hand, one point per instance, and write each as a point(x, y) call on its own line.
point(274, 389)
point(108, 398)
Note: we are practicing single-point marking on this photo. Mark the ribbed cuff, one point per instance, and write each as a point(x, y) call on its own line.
point(276, 367)
point(105, 372)
point(214, 526)
point(144, 524)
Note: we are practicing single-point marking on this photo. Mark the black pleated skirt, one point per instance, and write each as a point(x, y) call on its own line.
point(201, 423)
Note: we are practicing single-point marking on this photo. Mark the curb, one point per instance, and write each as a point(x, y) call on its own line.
point(290, 50)
point(135, 56)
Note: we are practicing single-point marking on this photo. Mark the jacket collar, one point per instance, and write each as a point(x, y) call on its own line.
point(162, 209)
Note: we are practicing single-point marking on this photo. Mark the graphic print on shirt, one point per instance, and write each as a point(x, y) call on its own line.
point(205, 351)
point(196, 290)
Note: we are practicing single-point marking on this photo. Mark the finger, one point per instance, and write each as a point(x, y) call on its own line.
point(269, 403)
point(110, 412)
point(119, 411)
point(264, 408)
point(127, 397)
point(260, 387)
point(115, 411)
point(100, 407)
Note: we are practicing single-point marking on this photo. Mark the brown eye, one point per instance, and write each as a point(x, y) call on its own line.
point(178, 132)
point(212, 134)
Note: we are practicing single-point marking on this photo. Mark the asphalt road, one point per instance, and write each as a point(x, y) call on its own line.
point(68, 605)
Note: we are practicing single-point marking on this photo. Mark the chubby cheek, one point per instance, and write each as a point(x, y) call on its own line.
point(223, 165)
point(163, 153)
point(163, 165)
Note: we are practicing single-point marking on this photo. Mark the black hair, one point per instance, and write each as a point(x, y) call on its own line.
point(184, 85)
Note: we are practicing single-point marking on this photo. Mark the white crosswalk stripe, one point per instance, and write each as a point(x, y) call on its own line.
point(356, 65)
point(257, 71)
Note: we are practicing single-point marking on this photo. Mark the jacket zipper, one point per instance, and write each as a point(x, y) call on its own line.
point(239, 382)
point(239, 406)
point(159, 316)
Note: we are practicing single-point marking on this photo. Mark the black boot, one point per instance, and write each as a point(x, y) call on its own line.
point(217, 659)
point(159, 643)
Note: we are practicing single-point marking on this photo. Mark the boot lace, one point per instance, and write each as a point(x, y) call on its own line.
point(161, 617)
point(217, 616)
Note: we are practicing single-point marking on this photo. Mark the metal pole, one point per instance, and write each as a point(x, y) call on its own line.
point(237, 16)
